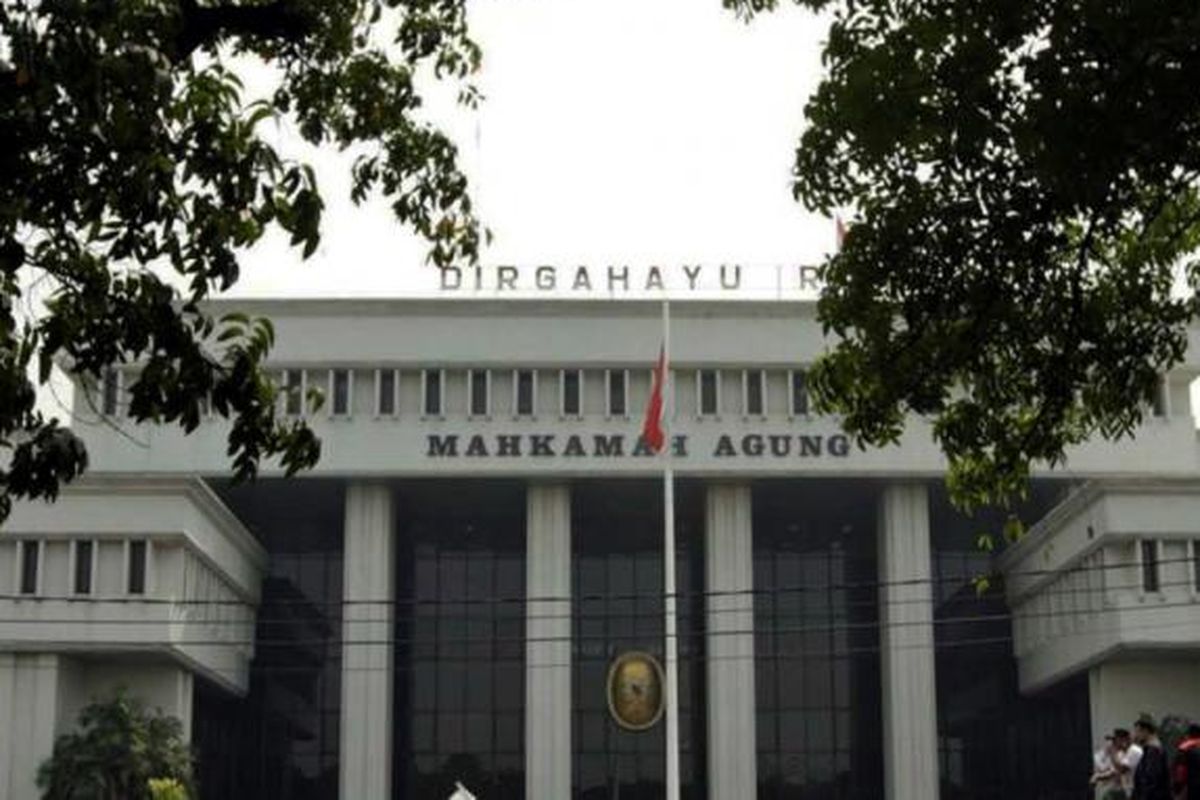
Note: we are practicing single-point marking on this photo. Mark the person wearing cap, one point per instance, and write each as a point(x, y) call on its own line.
point(1185, 777)
point(1151, 778)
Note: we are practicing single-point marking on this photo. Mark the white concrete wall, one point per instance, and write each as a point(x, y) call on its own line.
point(1123, 689)
point(457, 335)
point(41, 695)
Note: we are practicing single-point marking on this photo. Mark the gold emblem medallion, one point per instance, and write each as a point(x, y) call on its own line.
point(635, 691)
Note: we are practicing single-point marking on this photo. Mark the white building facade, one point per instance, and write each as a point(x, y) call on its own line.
point(440, 599)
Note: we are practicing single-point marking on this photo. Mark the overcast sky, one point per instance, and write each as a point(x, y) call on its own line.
point(613, 131)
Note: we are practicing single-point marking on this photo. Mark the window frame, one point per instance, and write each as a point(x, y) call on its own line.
point(533, 393)
point(562, 394)
point(1194, 545)
point(349, 411)
point(487, 394)
point(39, 567)
point(286, 393)
point(793, 412)
point(1143, 574)
point(147, 581)
point(379, 412)
point(608, 394)
point(441, 409)
point(94, 562)
point(762, 393)
point(1160, 405)
point(716, 412)
point(118, 382)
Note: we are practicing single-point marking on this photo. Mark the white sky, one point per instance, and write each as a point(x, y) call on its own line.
point(613, 132)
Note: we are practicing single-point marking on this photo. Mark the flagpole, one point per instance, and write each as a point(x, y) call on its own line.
point(672, 652)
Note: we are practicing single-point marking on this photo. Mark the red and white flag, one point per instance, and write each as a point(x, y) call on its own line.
point(652, 425)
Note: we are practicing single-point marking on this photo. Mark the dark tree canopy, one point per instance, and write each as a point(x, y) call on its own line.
point(1022, 180)
point(127, 150)
point(117, 749)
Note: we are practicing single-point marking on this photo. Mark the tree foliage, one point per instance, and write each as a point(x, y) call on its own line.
point(1022, 179)
point(128, 150)
point(117, 751)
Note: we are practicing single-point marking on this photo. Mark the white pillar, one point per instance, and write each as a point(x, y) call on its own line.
point(548, 642)
point(906, 644)
point(729, 579)
point(29, 701)
point(368, 569)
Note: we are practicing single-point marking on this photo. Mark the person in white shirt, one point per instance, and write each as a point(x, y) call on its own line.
point(1105, 778)
point(1127, 754)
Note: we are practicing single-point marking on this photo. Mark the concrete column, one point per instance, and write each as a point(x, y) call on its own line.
point(729, 578)
point(368, 569)
point(548, 642)
point(910, 752)
point(29, 700)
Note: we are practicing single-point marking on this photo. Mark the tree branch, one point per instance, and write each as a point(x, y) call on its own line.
point(202, 25)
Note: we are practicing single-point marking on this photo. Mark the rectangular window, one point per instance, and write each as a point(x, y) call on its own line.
point(82, 580)
point(110, 392)
point(1196, 565)
point(385, 392)
point(523, 380)
point(618, 395)
point(340, 383)
point(799, 381)
point(571, 386)
point(1159, 405)
point(293, 392)
point(754, 385)
point(431, 389)
point(709, 401)
point(1150, 578)
point(479, 385)
point(136, 568)
point(31, 552)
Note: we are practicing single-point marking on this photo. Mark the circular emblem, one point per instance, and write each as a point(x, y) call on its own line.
point(635, 691)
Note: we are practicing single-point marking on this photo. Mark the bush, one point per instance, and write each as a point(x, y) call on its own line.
point(116, 752)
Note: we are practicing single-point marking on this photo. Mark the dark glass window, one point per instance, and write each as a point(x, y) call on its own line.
point(525, 381)
point(111, 394)
point(433, 392)
point(1196, 565)
point(1150, 578)
point(1159, 405)
point(136, 569)
point(617, 602)
point(460, 640)
point(386, 402)
point(30, 552)
point(799, 392)
point(994, 742)
point(341, 391)
point(817, 663)
point(293, 388)
point(572, 391)
point(83, 567)
point(480, 402)
point(281, 740)
point(616, 393)
point(755, 400)
point(709, 392)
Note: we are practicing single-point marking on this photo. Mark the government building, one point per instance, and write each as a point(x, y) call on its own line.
point(440, 600)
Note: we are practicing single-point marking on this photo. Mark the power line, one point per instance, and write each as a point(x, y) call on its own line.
point(825, 588)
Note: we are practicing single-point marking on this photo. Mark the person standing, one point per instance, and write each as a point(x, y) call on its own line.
point(1185, 778)
point(1126, 755)
point(1151, 778)
point(1106, 779)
